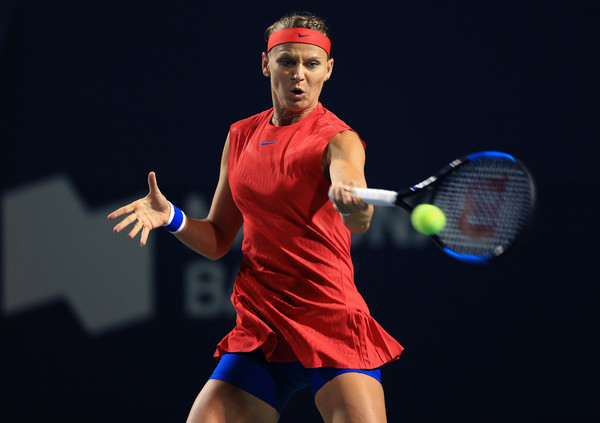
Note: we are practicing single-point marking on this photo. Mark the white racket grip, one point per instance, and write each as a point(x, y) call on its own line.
point(377, 197)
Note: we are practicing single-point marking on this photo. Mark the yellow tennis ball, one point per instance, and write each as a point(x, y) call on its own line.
point(428, 219)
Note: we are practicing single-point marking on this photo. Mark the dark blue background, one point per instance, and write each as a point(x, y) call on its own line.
point(104, 90)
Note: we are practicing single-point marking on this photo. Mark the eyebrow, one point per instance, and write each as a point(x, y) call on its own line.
point(286, 51)
point(287, 55)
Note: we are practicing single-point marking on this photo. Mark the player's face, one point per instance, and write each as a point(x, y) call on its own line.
point(298, 72)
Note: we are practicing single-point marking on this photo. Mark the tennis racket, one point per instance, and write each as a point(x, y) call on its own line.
point(488, 199)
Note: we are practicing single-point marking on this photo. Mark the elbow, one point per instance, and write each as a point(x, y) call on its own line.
point(219, 244)
point(215, 255)
point(212, 257)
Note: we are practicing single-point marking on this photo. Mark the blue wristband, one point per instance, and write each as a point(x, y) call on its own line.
point(176, 220)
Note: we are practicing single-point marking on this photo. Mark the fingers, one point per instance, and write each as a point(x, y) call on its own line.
point(136, 228)
point(152, 184)
point(144, 237)
point(139, 225)
point(344, 201)
point(143, 212)
point(124, 223)
point(120, 212)
point(133, 217)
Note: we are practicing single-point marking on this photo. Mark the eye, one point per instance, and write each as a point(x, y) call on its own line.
point(286, 62)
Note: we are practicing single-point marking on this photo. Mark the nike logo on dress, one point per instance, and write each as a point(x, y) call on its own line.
point(263, 142)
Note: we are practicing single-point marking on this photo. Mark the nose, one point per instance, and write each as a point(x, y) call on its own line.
point(298, 73)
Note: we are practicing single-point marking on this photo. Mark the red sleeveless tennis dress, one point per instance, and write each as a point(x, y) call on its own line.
point(295, 296)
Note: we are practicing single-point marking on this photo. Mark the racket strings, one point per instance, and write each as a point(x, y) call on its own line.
point(486, 203)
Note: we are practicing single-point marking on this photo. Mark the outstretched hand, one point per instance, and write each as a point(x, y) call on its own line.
point(148, 213)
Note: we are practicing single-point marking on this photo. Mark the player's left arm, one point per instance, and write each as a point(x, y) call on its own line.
point(345, 160)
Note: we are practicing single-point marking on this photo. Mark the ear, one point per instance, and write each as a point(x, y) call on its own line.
point(265, 65)
point(329, 69)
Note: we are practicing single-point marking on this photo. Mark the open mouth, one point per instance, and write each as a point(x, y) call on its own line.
point(297, 91)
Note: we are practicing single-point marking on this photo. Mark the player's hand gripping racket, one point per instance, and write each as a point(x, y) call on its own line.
point(487, 198)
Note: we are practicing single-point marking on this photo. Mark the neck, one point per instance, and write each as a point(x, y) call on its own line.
point(285, 117)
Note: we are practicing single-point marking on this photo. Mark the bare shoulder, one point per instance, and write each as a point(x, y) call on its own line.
point(345, 145)
point(345, 139)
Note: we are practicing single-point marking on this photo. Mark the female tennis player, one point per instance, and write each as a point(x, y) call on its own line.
point(300, 319)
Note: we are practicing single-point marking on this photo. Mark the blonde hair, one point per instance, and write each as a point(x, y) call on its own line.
point(298, 20)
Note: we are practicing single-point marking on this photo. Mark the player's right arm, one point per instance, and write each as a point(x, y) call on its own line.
point(212, 237)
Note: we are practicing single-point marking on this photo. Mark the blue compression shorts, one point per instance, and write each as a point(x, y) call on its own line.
point(275, 383)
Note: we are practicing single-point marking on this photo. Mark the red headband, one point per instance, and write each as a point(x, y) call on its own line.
point(299, 35)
